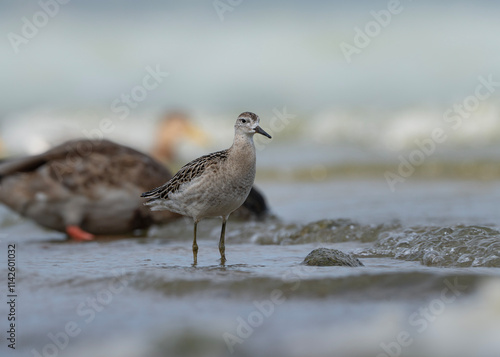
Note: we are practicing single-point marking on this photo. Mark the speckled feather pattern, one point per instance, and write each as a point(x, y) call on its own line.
point(186, 174)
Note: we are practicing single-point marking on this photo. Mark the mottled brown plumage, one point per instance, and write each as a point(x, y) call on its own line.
point(187, 173)
point(79, 164)
point(92, 184)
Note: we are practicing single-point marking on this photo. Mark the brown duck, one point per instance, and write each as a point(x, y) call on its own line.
point(92, 187)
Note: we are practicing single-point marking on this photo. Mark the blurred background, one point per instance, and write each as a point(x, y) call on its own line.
point(367, 106)
point(384, 113)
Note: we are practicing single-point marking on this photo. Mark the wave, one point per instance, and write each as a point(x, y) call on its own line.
point(457, 246)
point(384, 130)
point(451, 246)
point(440, 246)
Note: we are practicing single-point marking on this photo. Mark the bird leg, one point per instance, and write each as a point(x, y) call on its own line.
point(222, 247)
point(77, 233)
point(195, 246)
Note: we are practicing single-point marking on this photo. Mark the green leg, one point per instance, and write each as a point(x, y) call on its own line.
point(195, 246)
point(222, 247)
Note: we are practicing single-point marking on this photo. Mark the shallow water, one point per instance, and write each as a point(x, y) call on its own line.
point(431, 252)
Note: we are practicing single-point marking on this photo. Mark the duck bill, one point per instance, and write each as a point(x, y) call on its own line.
point(259, 130)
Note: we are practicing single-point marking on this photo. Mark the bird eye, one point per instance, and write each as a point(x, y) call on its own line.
point(243, 121)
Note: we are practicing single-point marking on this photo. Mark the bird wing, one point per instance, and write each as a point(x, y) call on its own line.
point(78, 164)
point(186, 174)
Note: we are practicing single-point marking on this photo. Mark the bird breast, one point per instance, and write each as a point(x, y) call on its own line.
point(240, 168)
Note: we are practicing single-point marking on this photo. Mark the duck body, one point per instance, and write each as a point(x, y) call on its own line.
point(92, 184)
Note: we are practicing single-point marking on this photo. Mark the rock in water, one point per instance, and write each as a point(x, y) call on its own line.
point(331, 257)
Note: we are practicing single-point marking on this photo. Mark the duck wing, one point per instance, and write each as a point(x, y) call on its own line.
point(81, 164)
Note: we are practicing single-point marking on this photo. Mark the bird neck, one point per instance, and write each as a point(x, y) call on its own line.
point(243, 142)
point(243, 148)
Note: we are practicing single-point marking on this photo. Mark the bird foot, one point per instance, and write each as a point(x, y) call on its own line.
point(78, 234)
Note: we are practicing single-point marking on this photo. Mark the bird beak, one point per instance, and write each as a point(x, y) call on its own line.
point(259, 130)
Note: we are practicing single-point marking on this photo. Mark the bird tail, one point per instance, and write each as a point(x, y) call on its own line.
point(156, 204)
point(156, 199)
point(154, 193)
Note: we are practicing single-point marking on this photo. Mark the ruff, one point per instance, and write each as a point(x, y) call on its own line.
point(213, 185)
